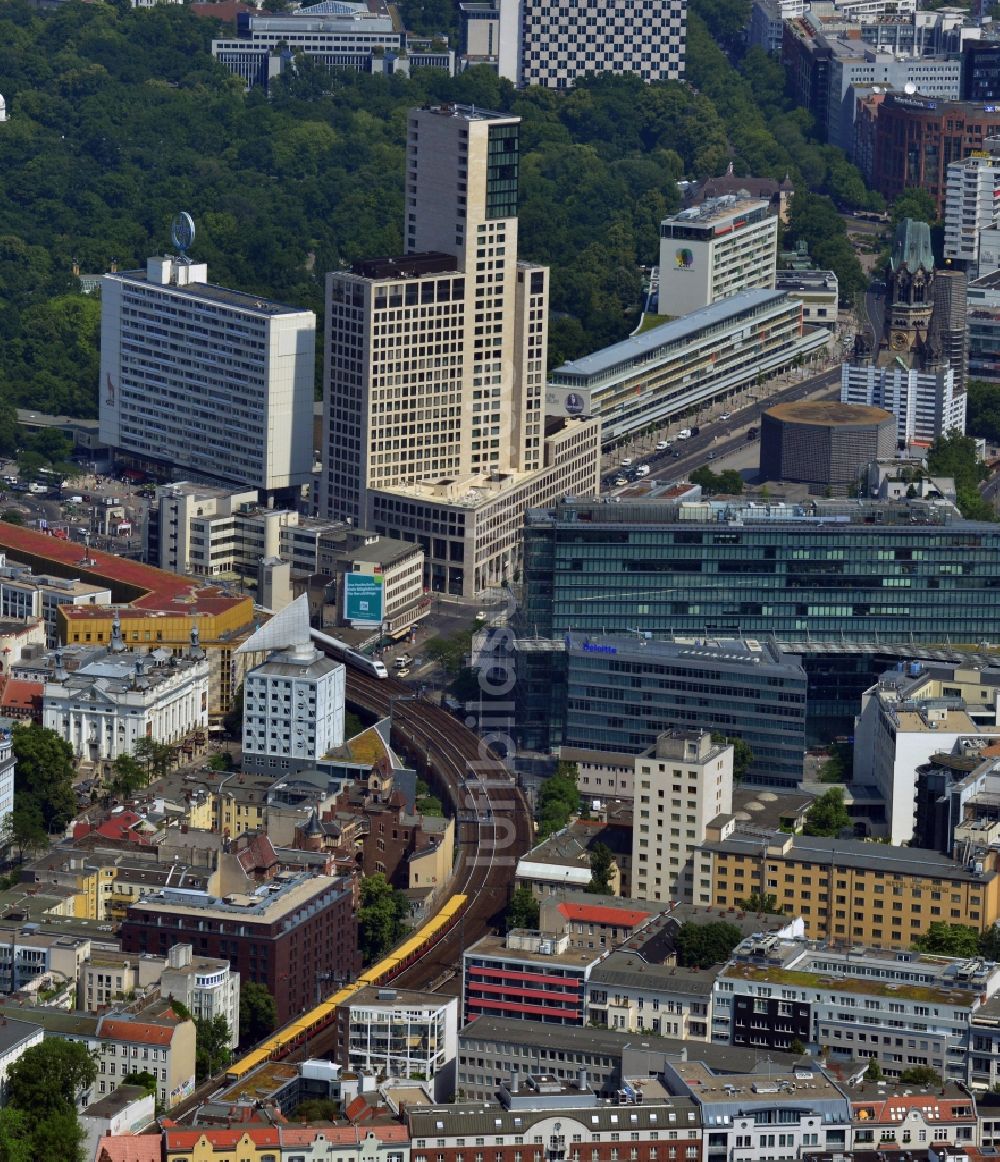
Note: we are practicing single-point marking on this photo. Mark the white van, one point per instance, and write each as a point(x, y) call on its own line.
point(642, 470)
point(627, 462)
point(684, 434)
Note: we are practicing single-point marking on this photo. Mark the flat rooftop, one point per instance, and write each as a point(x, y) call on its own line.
point(856, 853)
point(710, 1086)
point(731, 651)
point(504, 1031)
point(645, 348)
point(130, 582)
point(829, 413)
point(468, 112)
point(209, 292)
point(265, 904)
point(717, 209)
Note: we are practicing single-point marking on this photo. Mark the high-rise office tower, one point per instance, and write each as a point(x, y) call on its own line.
point(204, 381)
point(435, 364)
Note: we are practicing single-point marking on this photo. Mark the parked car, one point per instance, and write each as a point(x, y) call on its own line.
point(726, 416)
point(73, 500)
point(684, 434)
point(662, 445)
point(627, 462)
point(696, 431)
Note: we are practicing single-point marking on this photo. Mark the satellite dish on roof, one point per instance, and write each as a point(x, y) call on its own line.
point(909, 88)
point(182, 232)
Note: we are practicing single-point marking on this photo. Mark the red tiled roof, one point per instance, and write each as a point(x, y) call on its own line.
point(258, 853)
point(122, 826)
point(126, 1148)
point(219, 1138)
point(140, 1032)
point(341, 1135)
point(130, 582)
point(603, 914)
point(885, 1109)
point(20, 694)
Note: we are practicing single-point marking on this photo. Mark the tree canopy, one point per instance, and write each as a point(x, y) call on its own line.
point(955, 455)
point(43, 777)
point(382, 917)
point(703, 945)
point(522, 912)
point(945, 939)
point(766, 904)
point(828, 815)
point(258, 1012)
point(728, 482)
point(44, 1085)
point(558, 800)
point(121, 116)
point(600, 870)
point(212, 1050)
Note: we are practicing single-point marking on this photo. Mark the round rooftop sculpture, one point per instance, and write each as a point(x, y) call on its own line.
point(823, 442)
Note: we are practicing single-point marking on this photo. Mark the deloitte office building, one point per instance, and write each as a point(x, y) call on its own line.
point(847, 585)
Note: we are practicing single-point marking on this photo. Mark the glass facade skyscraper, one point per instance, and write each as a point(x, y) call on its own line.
point(868, 571)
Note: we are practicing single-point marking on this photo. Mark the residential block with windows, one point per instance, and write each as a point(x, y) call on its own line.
point(846, 889)
point(711, 251)
point(682, 784)
point(398, 1033)
point(199, 378)
point(540, 1118)
point(900, 1008)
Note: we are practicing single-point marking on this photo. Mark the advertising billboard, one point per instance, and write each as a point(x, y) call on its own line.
point(363, 598)
point(567, 401)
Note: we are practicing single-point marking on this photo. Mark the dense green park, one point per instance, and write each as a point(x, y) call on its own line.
point(120, 118)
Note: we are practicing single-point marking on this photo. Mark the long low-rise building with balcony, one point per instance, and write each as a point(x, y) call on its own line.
point(691, 362)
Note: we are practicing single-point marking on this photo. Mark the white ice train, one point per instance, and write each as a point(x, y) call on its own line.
point(343, 651)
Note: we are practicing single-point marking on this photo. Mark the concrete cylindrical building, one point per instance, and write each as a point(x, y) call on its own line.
point(823, 442)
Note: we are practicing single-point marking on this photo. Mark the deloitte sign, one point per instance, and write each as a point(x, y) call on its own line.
point(363, 598)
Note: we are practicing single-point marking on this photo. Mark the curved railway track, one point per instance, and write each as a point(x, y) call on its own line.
point(493, 822)
point(493, 829)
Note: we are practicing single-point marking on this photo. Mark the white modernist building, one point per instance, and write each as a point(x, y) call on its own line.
point(293, 704)
point(108, 704)
point(199, 379)
point(715, 250)
point(6, 777)
point(910, 715)
point(681, 785)
point(404, 1034)
point(207, 986)
point(705, 357)
point(972, 203)
point(434, 419)
point(926, 404)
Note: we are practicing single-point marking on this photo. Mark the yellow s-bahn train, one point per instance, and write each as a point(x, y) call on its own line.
point(297, 1032)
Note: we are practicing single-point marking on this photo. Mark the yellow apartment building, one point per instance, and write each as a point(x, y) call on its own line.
point(847, 890)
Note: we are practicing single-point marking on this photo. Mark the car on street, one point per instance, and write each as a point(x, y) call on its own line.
point(726, 416)
point(684, 434)
point(642, 470)
point(627, 462)
point(662, 445)
point(620, 481)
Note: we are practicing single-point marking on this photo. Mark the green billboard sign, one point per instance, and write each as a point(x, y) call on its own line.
point(363, 598)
